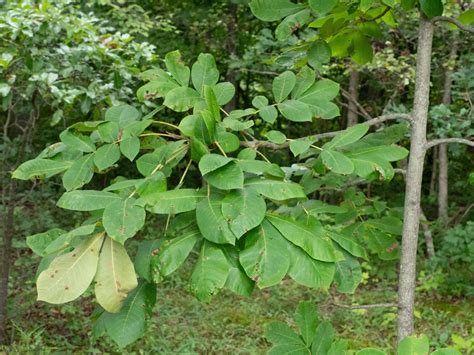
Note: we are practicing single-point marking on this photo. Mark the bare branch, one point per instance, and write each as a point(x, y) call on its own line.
point(360, 108)
point(316, 137)
point(454, 22)
point(436, 142)
point(366, 306)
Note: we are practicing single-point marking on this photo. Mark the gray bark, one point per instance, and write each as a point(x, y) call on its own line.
point(354, 93)
point(430, 251)
point(407, 278)
point(443, 182)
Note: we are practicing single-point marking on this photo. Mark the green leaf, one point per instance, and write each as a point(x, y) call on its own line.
point(157, 88)
point(69, 275)
point(446, 351)
point(143, 259)
point(259, 101)
point(129, 324)
point(181, 99)
point(276, 137)
point(281, 333)
point(211, 102)
point(432, 8)
point(322, 7)
point(365, 5)
point(173, 253)
point(124, 184)
point(237, 280)
point(106, 156)
point(322, 339)
point(265, 257)
point(130, 147)
point(115, 276)
point(86, 200)
point(349, 244)
point(122, 114)
point(229, 142)
point(212, 162)
point(247, 154)
point(325, 109)
point(38, 242)
point(244, 210)
point(414, 345)
point(291, 23)
point(348, 136)
point(282, 85)
point(268, 113)
point(224, 92)
point(109, 131)
point(177, 68)
point(275, 189)
point(363, 52)
point(304, 80)
point(204, 72)
point(295, 110)
point(172, 201)
point(227, 177)
point(309, 272)
point(69, 239)
point(80, 173)
point(337, 162)
point(78, 142)
point(40, 168)
point(467, 17)
point(300, 146)
point(408, 5)
point(273, 10)
point(312, 241)
point(212, 223)
point(306, 318)
point(319, 53)
point(348, 274)
point(322, 90)
point(122, 219)
point(371, 351)
point(210, 272)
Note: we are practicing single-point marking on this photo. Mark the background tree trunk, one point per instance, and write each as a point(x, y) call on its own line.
point(407, 278)
point(354, 93)
point(443, 148)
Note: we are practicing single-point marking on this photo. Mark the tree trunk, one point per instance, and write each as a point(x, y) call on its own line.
point(430, 251)
point(443, 148)
point(434, 173)
point(8, 232)
point(407, 278)
point(354, 93)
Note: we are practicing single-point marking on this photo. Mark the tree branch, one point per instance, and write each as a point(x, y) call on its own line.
point(366, 306)
point(360, 108)
point(436, 142)
point(454, 22)
point(316, 137)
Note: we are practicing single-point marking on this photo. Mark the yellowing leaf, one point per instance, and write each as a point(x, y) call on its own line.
point(69, 275)
point(115, 276)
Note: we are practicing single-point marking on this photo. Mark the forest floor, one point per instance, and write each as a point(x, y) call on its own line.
point(229, 324)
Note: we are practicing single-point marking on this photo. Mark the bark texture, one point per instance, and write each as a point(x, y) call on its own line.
point(407, 278)
point(354, 93)
point(443, 182)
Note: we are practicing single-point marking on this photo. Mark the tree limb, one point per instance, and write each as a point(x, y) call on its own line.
point(454, 22)
point(366, 306)
point(436, 142)
point(360, 108)
point(316, 137)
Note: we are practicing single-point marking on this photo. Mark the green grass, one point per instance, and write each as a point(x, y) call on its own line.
point(229, 324)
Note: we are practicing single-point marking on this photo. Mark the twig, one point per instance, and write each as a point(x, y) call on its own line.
point(454, 22)
point(366, 306)
point(436, 142)
point(360, 108)
point(316, 137)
